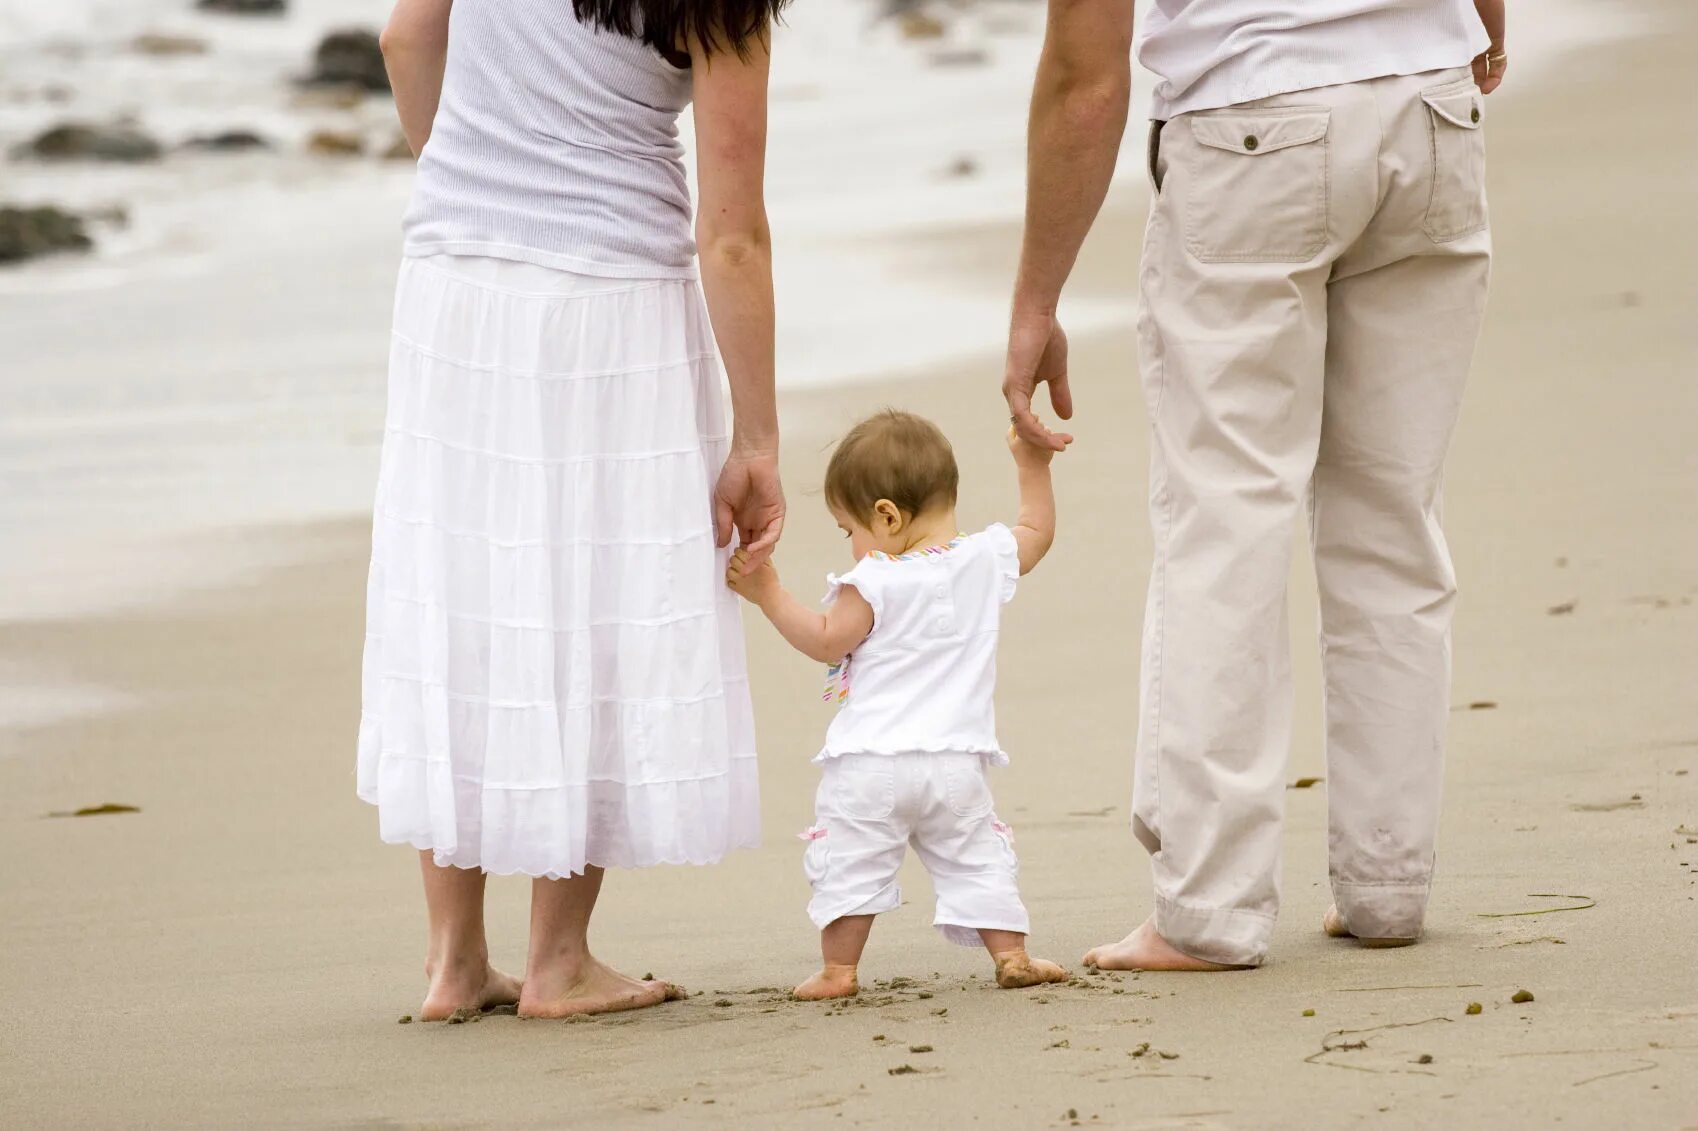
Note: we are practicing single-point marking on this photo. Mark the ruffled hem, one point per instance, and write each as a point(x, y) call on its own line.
point(994, 754)
point(553, 833)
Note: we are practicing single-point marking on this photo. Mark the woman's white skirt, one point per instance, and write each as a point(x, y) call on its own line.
point(554, 672)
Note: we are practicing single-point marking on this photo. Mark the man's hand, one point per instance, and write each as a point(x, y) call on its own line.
point(750, 499)
point(1037, 354)
point(752, 583)
point(1491, 63)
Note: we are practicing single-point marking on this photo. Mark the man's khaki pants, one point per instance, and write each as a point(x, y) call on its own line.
point(1313, 280)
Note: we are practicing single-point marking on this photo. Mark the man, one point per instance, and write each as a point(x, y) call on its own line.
point(1313, 279)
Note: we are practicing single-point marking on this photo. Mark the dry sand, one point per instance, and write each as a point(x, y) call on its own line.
point(238, 952)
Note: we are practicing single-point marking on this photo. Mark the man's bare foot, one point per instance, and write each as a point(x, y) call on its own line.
point(1144, 949)
point(1333, 924)
point(594, 988)
point(1015, 970)
point(456, 987)
point(832, 981)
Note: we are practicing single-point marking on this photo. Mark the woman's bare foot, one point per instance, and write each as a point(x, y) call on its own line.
point(832, 981)
point(592, 988)
point(1333, 924)
point(1015, 970)
point(454, 987)
point(1144, 949)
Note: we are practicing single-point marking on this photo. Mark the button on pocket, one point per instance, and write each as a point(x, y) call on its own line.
point(1457, 204)
point(1256, 186)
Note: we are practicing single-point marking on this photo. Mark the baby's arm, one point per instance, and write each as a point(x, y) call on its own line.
point(826, 637)
point(1034, 530)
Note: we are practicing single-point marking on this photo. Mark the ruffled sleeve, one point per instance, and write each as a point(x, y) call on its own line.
point(863, 579)
point(1006, 553)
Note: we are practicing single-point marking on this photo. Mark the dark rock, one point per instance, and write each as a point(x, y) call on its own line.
point(81, 141)
point(351, 57)
point(159, 43)
point(28, 232)
point(329, 143)
point(245, 7)
point(229, 141)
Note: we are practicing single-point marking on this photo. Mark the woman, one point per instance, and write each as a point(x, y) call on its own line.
point(554, 679)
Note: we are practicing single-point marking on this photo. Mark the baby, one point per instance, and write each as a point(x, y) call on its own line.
point(911, 633)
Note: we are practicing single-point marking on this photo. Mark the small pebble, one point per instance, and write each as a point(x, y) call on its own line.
point(723, 1003)
point(1520, 997)
point(1474, 1007)
point(919, 1048)
point(406, 1019)
point(1424, 1058)
point(1308, 1013)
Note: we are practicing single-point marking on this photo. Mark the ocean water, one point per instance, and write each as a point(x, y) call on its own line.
point(218, 363)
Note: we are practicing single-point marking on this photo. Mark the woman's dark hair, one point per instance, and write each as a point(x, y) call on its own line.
point(665, 25)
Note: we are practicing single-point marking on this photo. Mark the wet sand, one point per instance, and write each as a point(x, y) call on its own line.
point(240, 950)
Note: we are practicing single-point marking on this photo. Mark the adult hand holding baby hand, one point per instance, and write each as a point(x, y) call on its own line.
point(1037, 353)
point(750, 499)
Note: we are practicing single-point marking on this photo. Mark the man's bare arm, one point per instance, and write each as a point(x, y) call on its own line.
point(1080, 101)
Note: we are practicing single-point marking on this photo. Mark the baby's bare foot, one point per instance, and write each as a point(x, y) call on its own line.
point(1333, 924)
point(1144, 949)
point(1016, 970)
point(832, 981)
point(456, 987)
point(595, 988)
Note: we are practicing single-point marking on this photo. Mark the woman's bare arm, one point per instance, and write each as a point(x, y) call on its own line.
point(735, 246)
point(415, 51)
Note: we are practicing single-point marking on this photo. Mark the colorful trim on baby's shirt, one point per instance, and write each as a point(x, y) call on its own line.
point(837, 681)
point(914, 555)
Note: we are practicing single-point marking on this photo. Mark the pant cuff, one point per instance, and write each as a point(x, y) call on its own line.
point(967, 933)
point(1215, 934)
point(826, 911)
point(1382, 911)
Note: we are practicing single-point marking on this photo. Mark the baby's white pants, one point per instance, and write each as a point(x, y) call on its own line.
point(870, 807)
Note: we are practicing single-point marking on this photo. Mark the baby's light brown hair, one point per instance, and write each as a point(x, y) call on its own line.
point(891, 455)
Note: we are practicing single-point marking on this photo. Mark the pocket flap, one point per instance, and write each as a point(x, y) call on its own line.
point(1465, 108)
point(1254, 134)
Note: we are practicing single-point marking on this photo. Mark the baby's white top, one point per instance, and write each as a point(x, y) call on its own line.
point(924, 679)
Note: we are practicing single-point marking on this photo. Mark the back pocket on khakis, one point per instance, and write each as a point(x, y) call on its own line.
point(1457, 206)
point(1257, 185)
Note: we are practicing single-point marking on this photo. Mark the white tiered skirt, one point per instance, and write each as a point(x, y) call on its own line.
point(554, 674)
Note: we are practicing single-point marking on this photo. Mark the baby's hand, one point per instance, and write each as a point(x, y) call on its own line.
point(1026, 454)
point(755, 585)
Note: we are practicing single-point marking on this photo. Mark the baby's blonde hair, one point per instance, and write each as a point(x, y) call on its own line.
point(891, 455)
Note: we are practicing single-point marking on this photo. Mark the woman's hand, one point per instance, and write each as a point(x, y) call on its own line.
point(1037, 353)
point(750, 499)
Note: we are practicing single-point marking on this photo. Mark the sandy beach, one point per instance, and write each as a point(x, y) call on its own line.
point(239, 951)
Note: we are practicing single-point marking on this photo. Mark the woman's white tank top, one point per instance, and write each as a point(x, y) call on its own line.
point(555, 143)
